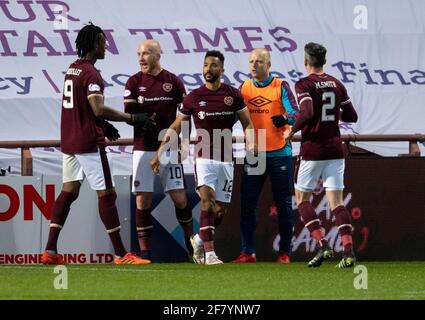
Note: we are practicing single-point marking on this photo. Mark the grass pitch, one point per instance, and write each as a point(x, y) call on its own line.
point(385, 280)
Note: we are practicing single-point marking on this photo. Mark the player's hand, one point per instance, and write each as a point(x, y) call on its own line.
point(155, 163)
point(111, 132)
point(251, 147)
point(143, 120)
point(288, 134)
point(279, 120)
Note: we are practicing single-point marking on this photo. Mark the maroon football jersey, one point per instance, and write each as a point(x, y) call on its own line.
point(213, 110)
point(321, 138)
point(81, 130)
point(160, 94)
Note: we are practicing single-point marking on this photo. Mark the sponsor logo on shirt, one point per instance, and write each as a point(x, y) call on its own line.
point(228, 101)
point(93, 87)
point(259, 101)
point(201, 115)
point(167, 87)
point(217, 113)
point(142, 99)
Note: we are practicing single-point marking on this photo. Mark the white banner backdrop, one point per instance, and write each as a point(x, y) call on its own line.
point(376, 48)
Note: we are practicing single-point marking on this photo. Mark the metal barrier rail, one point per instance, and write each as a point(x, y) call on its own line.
point(26, 157)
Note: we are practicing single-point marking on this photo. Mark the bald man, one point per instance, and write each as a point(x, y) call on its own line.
point(157, 93)
point(272, 107)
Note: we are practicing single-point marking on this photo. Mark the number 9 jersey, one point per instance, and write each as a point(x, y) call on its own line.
point(321, 138)
point(81, 130)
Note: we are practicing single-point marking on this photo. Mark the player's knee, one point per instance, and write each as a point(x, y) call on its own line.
point(179, 199)
point(208, 205)
point(301, 196)
point(72, 187)
point(143, 200)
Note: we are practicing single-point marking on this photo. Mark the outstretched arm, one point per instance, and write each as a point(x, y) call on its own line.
point(170, 138)
point(302, 118)
point(100, 110)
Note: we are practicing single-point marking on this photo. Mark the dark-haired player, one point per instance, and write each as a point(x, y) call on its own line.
point(323, 101)
point(83, 145)
point(213, 108)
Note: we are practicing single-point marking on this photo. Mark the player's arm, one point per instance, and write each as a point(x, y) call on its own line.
point(290, 106)
point(306, 111)
point(180, 94)
point(107, 113)
point(170, 138)
point(305, 115)
point(248, 128)
point(289, 102)
point(101, 111)
point(348, 113)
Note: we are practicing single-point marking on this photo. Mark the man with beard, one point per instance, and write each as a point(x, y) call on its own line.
point(213, 107)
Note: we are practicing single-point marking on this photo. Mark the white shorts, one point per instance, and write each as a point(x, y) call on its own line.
point(96, 167)
point(171, 175)
point(309, 172)
point(217, 175)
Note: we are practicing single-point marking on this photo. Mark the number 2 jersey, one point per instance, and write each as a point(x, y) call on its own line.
point(320, 137)
point(81, 130)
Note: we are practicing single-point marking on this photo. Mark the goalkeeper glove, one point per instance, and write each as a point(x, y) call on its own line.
point(143, 120)
point(279, 120)
point(111, 132)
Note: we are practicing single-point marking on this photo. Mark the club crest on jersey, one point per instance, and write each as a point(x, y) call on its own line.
point(201, 115)
point(167, 87)
point(93, 87)
point(140, 99)
point(228, 101)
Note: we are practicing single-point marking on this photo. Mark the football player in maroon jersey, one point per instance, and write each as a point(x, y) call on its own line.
point(157, 92)
point(323, 102)
point(83, 145)
point(213, 108)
